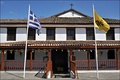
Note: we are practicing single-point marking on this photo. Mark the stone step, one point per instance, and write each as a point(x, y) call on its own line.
point(61, 76)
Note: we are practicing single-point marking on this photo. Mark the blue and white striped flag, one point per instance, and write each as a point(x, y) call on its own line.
point(34, 22)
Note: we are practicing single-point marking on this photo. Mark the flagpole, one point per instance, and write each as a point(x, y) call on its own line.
point(26, 43)
point(96, 54)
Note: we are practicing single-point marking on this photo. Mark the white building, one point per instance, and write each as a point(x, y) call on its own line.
point(62, 35)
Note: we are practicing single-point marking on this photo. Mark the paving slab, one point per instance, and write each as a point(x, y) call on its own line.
point(81, 76)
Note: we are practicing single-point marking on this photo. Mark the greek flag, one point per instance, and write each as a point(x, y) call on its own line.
point(34, 22)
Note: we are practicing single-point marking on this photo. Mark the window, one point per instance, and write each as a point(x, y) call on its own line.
point(10, 55)
point(110, 34)
point(71, 34)
point(11, 34)
point(111, 54)
point(31, 34)
point(90, 34)
point(50, 34)
point(92, 54)
point(28, 55)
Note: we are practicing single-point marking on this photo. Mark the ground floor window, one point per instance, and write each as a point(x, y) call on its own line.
point(111, 54)
point(10, 55)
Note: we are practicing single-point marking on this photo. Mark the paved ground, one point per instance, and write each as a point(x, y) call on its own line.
point(109, 75)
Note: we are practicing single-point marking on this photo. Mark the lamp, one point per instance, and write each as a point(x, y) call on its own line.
point(68, 51)
point(20, 53)
point(0, 51)
point(5, 51)
point(101, 52)
point(10, 51)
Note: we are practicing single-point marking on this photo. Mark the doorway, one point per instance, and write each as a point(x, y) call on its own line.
point(59, 61)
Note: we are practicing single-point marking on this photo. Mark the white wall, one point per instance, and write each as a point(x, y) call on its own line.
point(70, 14)
point(20, 34)
point(80, 54)
point(60, 34)
point(39, 54)
point(3, 34)
point(117, 33)
point(80, 34)
point(42, 36)
point(100, 35)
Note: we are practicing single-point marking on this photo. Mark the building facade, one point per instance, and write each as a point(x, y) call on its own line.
point(67, 43)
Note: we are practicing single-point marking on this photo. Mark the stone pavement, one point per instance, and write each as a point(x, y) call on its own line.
point(109, 75)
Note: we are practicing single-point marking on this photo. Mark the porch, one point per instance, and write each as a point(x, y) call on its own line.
point(80, 65)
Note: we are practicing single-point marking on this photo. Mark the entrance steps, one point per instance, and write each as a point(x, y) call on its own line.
point(61, 76)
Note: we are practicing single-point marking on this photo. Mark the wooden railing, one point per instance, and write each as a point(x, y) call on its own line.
point(102, 64)
point(80, 65)
point(19, 65)
point(119, 65)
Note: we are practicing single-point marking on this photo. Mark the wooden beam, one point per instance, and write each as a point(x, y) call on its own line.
point(2, 61)
point(30, 60)
point(117, 59)
point(88, 52)
point(59, 47)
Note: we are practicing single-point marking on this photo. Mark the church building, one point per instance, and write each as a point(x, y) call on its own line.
point(65, 45)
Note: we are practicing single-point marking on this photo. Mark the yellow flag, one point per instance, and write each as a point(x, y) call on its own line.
point(100, 23)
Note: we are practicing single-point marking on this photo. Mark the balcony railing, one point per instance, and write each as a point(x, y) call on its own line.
point(80, 64)
point(102, 64)
point(19, 65)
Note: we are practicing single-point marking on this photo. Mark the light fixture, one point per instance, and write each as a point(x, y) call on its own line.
point(84, 50)
point(90, 50)
point(16, 51)
point(101, 52)
point(22, 50)
point(5, 51)
point(56, 49)
point(38, 50)
point(33, 50)
point(10, 51)
point(0, 51)
point(68, 51)
point(44, 50)
point(79, 50)
point(20, 53)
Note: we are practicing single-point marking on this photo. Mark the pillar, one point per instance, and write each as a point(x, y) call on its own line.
point(30, 60)
point(117, 59)
point(2, 61)
point(88, 52)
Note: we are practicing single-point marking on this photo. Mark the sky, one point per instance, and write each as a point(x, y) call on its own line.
point(18, 9)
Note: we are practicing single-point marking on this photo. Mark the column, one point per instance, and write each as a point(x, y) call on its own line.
point(2, 61)
point(30, 60)
point(70, 55)
point(88, 52)
point(117, 59)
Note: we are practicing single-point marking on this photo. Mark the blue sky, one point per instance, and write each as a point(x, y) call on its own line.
point(18, 9)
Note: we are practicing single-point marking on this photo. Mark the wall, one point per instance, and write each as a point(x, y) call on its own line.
point(3, 34)
point(100, 35)
point(80, 34)
point(42, 36)
point(60, 34)
point(20, 34)
point(70, 14)
point(117, 33)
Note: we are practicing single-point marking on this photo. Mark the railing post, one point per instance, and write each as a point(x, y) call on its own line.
point(88, 60)
point(2, 61)
point(30, 60)
point(117, 59)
